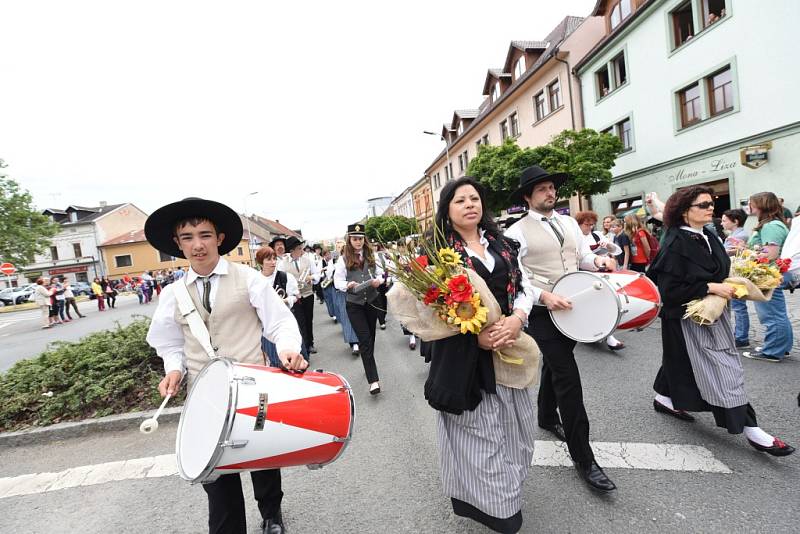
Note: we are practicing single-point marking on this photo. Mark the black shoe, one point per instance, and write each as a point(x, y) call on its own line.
point(680, 414)
point(557, 430)
point(778, 448)
point(273, 526)
point(594, 476)
point(383, 326)
point(312, 350)
point(742, 344)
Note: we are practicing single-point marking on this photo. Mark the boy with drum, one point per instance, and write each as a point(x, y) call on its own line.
point(202, 231)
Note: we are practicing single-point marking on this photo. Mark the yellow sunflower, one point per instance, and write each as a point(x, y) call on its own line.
point(469, 316)
point(448, 256)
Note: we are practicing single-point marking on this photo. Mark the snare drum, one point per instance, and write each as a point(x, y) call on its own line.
point(605, 302)
point(242, 417)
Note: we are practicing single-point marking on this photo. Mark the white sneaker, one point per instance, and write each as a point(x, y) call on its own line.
point(356, 351)
point(374, 388)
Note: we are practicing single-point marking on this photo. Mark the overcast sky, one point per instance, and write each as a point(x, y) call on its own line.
point(318, 106)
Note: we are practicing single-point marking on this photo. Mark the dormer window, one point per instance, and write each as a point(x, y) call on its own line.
point(73, 216)
point(496, 91)
point(460, 127)
point(519, 68)
point(619, 12)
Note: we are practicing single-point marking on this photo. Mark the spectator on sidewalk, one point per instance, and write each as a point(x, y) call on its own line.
point(59, 299)
point(97, 289)
point(42, 299)
point(69, 299)
point(733, 223)
point(109, 292)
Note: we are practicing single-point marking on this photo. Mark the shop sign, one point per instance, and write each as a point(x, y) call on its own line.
point(754, 157)
point(513, 210)
point(683, 174)
point(65, 270)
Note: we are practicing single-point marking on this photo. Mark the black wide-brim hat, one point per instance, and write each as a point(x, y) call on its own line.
point(532, 176)
point(159, 229)
point(276, 239)
point(356, 229)
point(291, 243)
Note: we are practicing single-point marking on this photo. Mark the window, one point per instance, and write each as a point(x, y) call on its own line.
point(164, 257)
point(460, 127)
point(514, 123)
point(609, 130)
point(519, 68)
point(123, 261)
point(504, 129)
point(437, 181)
point(54, 253)
point(619, 12)
point(463, 161)
point(618, 66)
point(625, 134)
point(448, 172)
point(603, 82)
point(612, 76)
point(712, 10)
point(73, 216)
point(81, 277)
point(690, 105)
point(554, 92)
point(496, 91)
point(485, 139)
point(76, 248)
point(720, 87)
point(538, 105)
point(683, 24)
point(620, 206)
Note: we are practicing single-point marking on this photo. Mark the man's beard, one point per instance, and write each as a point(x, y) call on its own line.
point(545, 205)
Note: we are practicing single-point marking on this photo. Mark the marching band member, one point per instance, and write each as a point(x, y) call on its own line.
point(304, 270)
point(326, 284)
point(552, 245)
point(701, 369)
point(237, 304)
point(278, 244)
point(284, 284)
point(340, 309)
point(317, 258)
point(357, 266)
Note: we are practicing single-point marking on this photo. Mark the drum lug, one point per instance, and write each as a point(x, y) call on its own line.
point(246, 380)
point(234, 444)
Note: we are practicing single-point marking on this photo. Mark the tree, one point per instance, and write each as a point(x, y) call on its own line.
point(390, 227)
point(587, 156)
point(23, 230)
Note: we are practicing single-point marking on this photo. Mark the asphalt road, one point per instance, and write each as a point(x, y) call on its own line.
point(388, 479)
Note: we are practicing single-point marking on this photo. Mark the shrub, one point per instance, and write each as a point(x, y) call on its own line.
point(113, 371)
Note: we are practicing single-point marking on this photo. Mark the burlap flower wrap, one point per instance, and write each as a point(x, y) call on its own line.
point(707, 310)
point(515, 367)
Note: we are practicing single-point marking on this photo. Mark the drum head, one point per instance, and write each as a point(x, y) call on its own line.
point(204, 421)
point(595, 307)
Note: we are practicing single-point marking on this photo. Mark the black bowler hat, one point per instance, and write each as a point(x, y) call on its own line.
point(356, 229)
point(292, 242)
point(276, 239)
point(532, 176)
point(159, 229)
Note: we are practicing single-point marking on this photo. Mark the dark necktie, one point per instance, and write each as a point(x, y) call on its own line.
point(207, 292)
point(556, 230)
point(296, 267)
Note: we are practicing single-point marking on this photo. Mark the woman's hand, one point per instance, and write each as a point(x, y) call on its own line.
point(375, 282)
point(351, 285)
point(725, 291)
point(496, 336)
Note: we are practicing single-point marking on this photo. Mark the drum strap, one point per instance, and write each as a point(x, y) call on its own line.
point(196, 324)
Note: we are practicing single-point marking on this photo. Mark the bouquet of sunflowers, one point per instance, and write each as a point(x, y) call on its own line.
point(435, 297)
point(753, 277)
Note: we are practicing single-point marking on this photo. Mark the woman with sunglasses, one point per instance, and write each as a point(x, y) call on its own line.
point(701, 369)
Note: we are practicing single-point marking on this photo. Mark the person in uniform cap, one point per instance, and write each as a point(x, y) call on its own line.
point(552, 245)
point(359, 276)
point(238, 305)
point(305, 271)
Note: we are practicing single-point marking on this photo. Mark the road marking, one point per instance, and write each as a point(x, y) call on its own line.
point(616, 455)
point(89, 475)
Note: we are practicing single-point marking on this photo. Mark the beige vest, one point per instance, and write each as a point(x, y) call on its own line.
point(303, 263)
point(233, 323)
point(545, 262)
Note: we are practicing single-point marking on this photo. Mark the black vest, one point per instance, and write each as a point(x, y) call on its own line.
point(280, 282)
point(497, 280)
point(358, 276)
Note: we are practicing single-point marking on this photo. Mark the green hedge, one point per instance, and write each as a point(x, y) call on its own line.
point(108, 372)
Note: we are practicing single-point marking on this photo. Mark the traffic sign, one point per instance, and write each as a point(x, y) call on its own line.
point(8, 269)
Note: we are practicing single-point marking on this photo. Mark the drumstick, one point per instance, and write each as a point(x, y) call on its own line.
point(596, 286)
point(150, 425)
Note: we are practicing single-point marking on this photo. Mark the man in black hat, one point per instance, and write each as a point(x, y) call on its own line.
point(552, 245)
point(299, 265)
point(278, 244)
point(237, 305)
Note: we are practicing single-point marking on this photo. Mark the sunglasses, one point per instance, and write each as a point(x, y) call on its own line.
point(703, 205)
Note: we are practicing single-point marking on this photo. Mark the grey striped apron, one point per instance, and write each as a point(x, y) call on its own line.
point(485, 453)
point(716, 364)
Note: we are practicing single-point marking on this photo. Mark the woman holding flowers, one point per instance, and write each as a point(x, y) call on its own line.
point(485, 430)
point(701, 369)
point(770, 234)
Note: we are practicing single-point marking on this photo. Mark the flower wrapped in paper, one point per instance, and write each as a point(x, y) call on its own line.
point(437, 297)
point(753, 277)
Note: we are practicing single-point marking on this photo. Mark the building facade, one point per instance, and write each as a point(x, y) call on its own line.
point(402, 205)
point(74, 251)
point(423, 203)
point(376, 206)
point(687, 86)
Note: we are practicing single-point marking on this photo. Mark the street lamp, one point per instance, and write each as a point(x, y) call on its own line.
point(249, 234)
point(446, 150)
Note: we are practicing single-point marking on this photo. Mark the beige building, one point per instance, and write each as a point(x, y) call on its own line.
point(532, 97)
point(423, 203)
point(130, 254)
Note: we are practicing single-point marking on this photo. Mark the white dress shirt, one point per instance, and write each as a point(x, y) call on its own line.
point(523, 300)
point(313, 270)
point(585, 255)
point(340, 273)
point(292, 289)
point(604, 242)
point(278, 324)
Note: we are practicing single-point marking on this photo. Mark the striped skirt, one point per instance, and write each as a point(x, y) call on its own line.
point(340, 311)
point(485, 453)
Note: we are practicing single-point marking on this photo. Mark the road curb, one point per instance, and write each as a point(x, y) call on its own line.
point(73, 429)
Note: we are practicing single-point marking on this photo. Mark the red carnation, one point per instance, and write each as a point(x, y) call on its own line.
point(431, 296)
point(460, 288)
point(419, 263)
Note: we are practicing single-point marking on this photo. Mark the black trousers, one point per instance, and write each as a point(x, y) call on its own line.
point(70, 301)
point(318, 292)
point(381, 304)
point(560, 386)
point(226, 510)
point(308, 311)
point(363, 319)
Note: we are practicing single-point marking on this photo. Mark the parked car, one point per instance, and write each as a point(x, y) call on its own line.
point(16, 295)
point(81, 288)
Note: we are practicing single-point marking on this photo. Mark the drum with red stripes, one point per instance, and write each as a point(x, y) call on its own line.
point(605, 302)
point(241, 417)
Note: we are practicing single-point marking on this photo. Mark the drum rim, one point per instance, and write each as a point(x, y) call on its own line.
point(227, 425)
point(606, 281)
point(346, 442)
